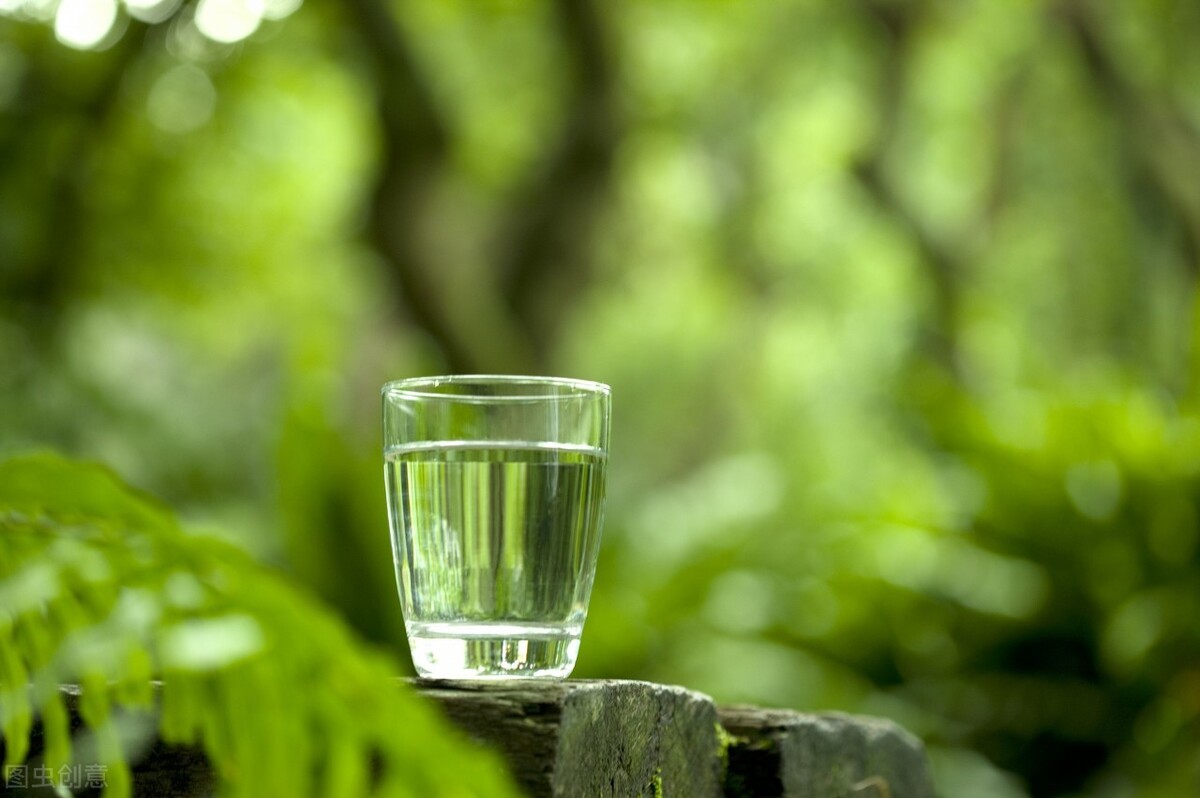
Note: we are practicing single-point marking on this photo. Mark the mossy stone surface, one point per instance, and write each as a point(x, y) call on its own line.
point(592, 738)
point(783, 754)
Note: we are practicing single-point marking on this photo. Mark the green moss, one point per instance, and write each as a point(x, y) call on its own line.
point(724, 739)
point(735, 787)
point(656, 788)
point(734, 784)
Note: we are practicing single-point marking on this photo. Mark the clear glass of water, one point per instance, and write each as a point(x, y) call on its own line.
point(495, 489)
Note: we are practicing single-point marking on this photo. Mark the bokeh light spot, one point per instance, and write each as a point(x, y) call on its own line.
point(151, 11)
point(1095, 488)
point(42, 10)
point(12, 70)
point(84, 24)
point(1134, 629)
point(228, 21)
point(739, 601)
point(181, 100)
point(278, 9)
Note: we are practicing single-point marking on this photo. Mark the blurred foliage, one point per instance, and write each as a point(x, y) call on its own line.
point(897, 300)
point(100, 587)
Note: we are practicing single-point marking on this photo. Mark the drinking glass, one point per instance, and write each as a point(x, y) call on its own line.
point(495, 490)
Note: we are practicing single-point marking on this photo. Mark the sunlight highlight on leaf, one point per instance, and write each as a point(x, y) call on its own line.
point(211, 643)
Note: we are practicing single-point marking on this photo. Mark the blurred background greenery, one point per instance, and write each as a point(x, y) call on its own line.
point(897, 300)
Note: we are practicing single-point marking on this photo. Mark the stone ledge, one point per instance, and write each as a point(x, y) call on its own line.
point(783, 753)
point(592, 738)
point(624, 739)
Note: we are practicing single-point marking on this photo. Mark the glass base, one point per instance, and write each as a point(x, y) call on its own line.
point(493, 650)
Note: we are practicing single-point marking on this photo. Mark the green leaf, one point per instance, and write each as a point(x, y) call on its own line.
point(47, 483)
point(99, 586)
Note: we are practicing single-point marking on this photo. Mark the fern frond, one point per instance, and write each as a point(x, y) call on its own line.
point(99, 586)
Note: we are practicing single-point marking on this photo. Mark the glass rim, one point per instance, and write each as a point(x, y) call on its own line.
point(426, 388)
